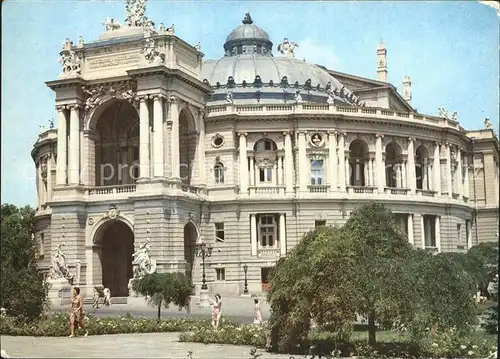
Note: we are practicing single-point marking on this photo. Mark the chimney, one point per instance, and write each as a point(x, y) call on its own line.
point(407, 89)
point(381, 62)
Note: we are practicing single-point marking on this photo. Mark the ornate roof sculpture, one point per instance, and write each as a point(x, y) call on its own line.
point(249, 73)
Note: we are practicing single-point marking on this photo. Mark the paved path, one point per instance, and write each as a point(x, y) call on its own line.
point(157, 345)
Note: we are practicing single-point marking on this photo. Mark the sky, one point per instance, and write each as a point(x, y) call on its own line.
point(450, 49)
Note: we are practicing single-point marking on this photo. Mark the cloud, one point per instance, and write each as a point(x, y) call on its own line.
point(317, 53)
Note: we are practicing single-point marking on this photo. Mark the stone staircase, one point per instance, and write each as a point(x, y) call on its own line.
point(114, 300)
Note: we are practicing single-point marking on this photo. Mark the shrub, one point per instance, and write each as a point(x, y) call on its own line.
point(57, 325)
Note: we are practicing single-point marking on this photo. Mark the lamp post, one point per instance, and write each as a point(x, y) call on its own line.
point(245, 269)
point(203, 251)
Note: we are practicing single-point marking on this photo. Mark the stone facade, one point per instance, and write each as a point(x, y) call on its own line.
point(144, 151)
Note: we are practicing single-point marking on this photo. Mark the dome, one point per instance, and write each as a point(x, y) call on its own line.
point(248, 38)
point(248, 31)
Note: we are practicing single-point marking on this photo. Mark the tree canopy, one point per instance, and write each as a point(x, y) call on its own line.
point(23, 293)
point(368, 268)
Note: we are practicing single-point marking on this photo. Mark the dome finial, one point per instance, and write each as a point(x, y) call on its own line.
point(247, 19)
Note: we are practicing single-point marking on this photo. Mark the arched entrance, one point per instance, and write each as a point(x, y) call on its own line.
point(117, 246)
point(190, 237)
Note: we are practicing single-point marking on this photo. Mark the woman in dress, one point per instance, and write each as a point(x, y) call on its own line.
point(257, 314)
point(216, 311)
point(76, 315)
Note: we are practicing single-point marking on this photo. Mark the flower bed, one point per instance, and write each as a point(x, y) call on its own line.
point(228, 333)
point(57, 325)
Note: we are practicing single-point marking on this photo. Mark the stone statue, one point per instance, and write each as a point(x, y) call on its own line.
point(136, 10)
point(71, 63)
point(198, 46)
point(94, 96)
point(331, 98)
point(151, 54)
point(229, 97)
point(149, 29)
point(162, 29)
point(59, 268)
point(287, 48)
point(111, 24)
point(67, 44)
point(487, 124)
point(298, 96)
point(142, 260)
point(80, 42)
point(51, 124)
point(442, 112)
point(454, 116)
point(170, 30)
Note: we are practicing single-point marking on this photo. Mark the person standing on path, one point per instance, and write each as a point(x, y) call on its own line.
point(76, 315)
point(216, 311)
point(257, 314)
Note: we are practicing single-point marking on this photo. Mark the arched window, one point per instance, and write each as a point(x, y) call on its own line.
point(317, 172)
point(266, 164)
point(219, 173)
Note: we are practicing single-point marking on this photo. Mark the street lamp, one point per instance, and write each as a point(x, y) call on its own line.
point(203, 251)
point(245, 269)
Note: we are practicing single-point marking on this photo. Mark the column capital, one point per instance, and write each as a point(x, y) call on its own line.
point(60, 108)
point(242, 134)
point(379, 135)
point(174, 99)
point(437, 143)
point(143, 98)
point(287, 133)
point(158, 97)
point(411, 139)
point(332, 132)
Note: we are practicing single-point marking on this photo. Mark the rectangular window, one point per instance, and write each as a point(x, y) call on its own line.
point(265, 175)
point(402, 221)
point(219, 231)
point(467, 231)
point(268, 231)
point(459, 233)
point(42, 245)
point(319, 223)
point(220, 274)
point(430, 230)
point(219, 173)
point(317, 172)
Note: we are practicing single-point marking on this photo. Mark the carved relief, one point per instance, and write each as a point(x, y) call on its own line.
point(71, 63)
point(151, 53)
point(317, 139)
point(94, 95)
point(90, 221)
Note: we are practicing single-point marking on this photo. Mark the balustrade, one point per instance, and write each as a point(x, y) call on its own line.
point(268, 252)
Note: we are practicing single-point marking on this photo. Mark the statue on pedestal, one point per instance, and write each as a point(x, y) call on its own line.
point(287, 48)
point(70, 62)
point(59, 269)
point(142, 260)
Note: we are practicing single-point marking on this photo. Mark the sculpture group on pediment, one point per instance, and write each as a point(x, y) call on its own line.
point(71, 63)
point(59, 268)
point(287, 48)
point(149, 29)
point(111, 24)
point(93, 96)
point(487, 123)
point(151, 54)
point(136, 13)
point(442, 112)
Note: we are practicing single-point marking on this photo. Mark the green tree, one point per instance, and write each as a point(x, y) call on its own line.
point(23, 292)
point(482, 263)
point(312, 283)
point(442, 294)
point(164, 288)
point(491, 316)
point(382, 283)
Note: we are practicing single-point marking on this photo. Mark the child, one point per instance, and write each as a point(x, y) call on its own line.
point(95, 298)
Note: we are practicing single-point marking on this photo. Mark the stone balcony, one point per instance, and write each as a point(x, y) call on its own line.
point(323, 109)
point(267, 190)
point(268, 253)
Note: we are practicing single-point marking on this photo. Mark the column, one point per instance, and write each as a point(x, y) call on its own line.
point(437, 168)
point(282, 235)
point(449, 183)
point(459, 172)
point(341, 161)
point(243, 164)
point(201, 149)
point(253, 234)
point(465, 188)
point(411, 240)
point(347, 171)
point(425, 176)
point(280, 170)
point(429, 173)
point(289, 172)
point(399, 175)
point(38, 185)
point(370, 172)
point(74, 146)
point(438, 233)
point(62, 148)
point(332, 156)
point(49, 177)
point(174, 139)
point(404, 175)
point(252, 171)
point(158, 136)
point(379, 164)
point(365, 173)
point(422, 230)
point(303, 165)
point(144, 138)
point(412, 177)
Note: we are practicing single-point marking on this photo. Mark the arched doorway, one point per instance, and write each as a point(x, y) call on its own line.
point(116, 144)
point(190, 238)
point(117, 246)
